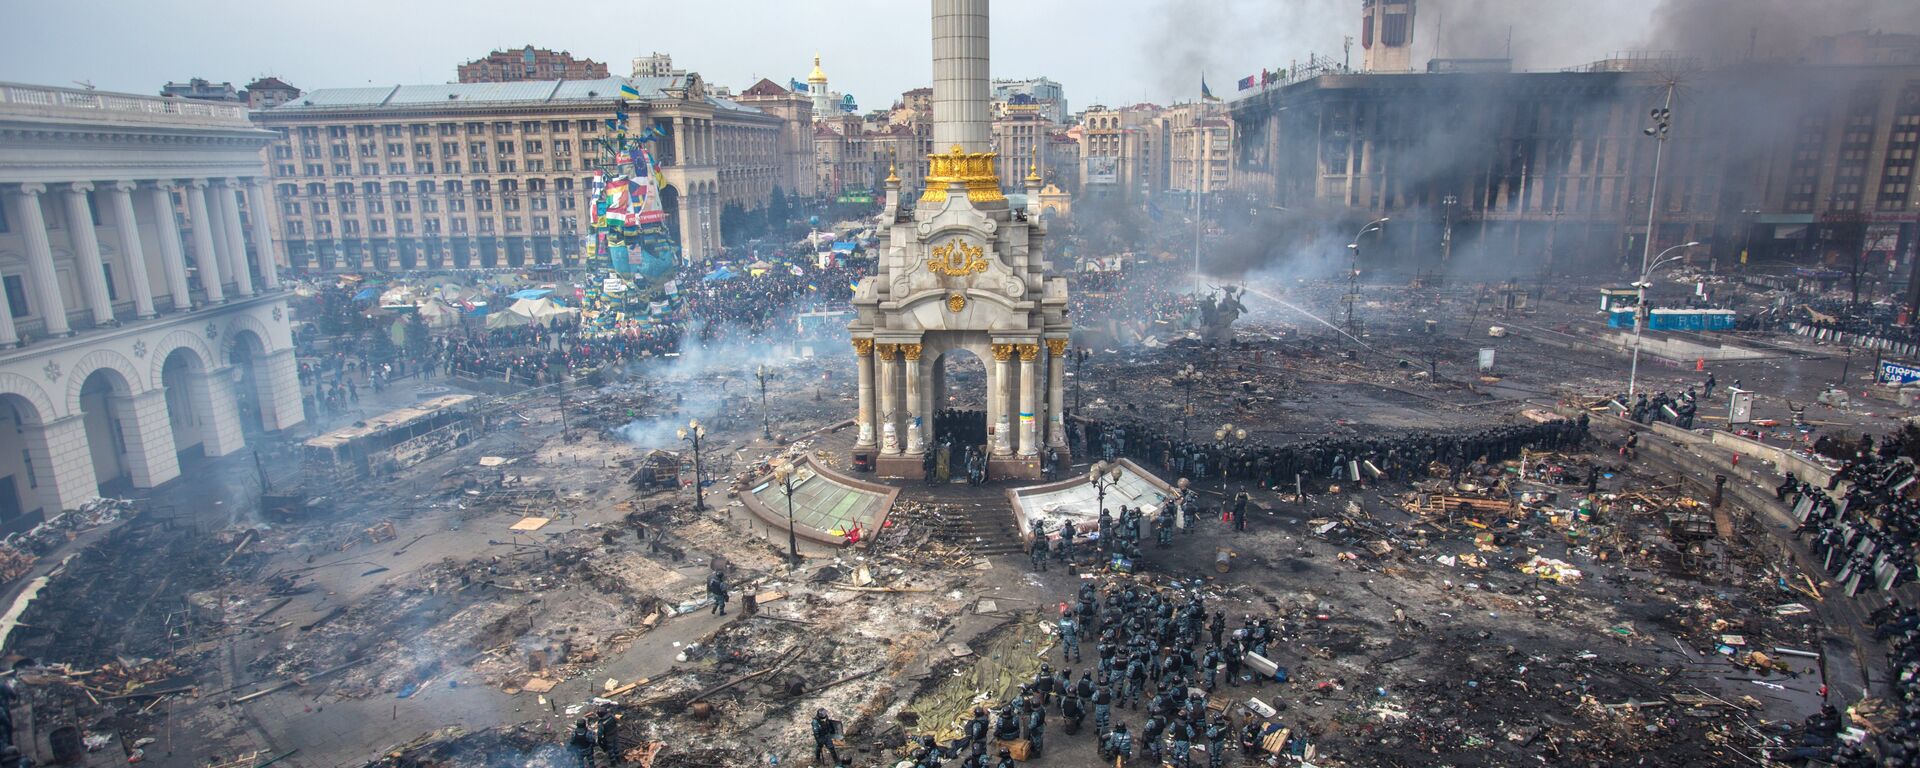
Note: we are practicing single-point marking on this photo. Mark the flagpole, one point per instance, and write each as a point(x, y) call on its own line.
point(1194, 153)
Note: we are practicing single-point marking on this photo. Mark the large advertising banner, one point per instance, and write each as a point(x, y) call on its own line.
point(1102, 169)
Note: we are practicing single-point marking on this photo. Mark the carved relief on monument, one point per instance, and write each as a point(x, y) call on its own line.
point(956, 258)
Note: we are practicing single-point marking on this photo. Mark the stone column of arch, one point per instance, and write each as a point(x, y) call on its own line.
point(1001, 391)
point(1029, 399)
point(148, 435)
point(863, 351)
point(62, 462)
point(889, 406)
point(1056, 392)
point(916, 430)
point(280, 406)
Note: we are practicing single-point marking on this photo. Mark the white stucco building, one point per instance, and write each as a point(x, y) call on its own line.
point(142, 318)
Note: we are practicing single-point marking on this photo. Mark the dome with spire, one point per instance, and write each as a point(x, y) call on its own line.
point(817, 76)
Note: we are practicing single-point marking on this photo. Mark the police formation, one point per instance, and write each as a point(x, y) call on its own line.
point(1306, 466)
point(1156, 655)
point(1867, 534)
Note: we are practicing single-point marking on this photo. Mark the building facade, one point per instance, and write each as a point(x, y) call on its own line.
point(1386, 35)
point(200, 88)
point(132, 336)
point(1019, 135)
point(1117, 151)
point(655, 65)
point(1196, 148)
point(1040, 93)
point(531, 63)
point(462, 176)
point(268, 92)
point(793, 147)
point(1806, 160)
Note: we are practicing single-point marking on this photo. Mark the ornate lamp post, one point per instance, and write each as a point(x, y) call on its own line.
point(1640, 316)
point(1186, 378)
point(784, 475)
point(1103, 475)
point(692, 433)
point(1225, 436)
point(766, 430)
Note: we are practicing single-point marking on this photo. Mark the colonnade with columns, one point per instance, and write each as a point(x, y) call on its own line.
point(1025, 396)
point(127, 209)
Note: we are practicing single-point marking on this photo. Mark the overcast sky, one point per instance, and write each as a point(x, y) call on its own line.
point(1102, 51)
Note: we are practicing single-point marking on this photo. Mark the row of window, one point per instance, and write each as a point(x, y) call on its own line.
point(483, 225)
point(424, 168)
point(400, 188)
point(418, 130)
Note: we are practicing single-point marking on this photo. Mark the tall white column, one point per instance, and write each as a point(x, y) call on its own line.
point(86, 253)
point(863, 349)
point(236, 237)
point(173, 257)
point(120, 197)
point(916, 429)
point(204, 255)
point(144, 426)
point(262, 211)
point(1029, 399)
point(889, 406)
point(1056, 392)
point(961, 103)
point(998, 390)
point(46, 282)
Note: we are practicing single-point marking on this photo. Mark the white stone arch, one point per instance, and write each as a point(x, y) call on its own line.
point(31, 391)
point(250, 323)
point(178, 340)
point(97, 360)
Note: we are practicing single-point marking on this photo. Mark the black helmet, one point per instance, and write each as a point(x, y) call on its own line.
point(820, 713)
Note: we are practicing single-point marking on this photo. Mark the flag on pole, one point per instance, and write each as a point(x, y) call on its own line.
point(1205, 92)
point(796, 86)
point(1247, 82)
point(627, 91)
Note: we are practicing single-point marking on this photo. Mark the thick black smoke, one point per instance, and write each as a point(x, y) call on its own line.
point(1726, 31)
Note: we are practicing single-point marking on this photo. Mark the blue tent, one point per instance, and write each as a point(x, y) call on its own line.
point(721, 273)
point(367, 294)
point(531, 293)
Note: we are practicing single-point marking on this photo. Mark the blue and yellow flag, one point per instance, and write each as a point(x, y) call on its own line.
point(627, 91)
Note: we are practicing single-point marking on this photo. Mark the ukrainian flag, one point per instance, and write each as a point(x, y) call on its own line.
point(627, 91)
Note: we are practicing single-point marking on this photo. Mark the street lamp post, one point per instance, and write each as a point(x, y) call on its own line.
point(1748, 214)
point(1103, 475)
point(692, 433)
point(1186, 377)
point(1446, 231)
point(766, 430)
point(1640, 308)
point(1353, 273)
point(1224, 437)
point(784, 474)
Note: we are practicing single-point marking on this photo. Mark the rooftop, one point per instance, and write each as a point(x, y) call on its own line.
point(493, 94)
point(50, 103)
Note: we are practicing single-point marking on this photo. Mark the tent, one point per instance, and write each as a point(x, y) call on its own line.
point(720, 273)
point(437, 314)
point(506, 320)
point(537, 311)
point(366, 294)
point(531, 293)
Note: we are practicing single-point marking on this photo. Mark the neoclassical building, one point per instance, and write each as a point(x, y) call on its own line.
point(497, 175)
point(131, 336)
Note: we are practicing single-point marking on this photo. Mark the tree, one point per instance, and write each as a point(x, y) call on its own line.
point(779, 208)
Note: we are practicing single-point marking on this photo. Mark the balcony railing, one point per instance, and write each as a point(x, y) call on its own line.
point(18, 97)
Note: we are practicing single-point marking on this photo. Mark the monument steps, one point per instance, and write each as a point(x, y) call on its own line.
point(985, 529)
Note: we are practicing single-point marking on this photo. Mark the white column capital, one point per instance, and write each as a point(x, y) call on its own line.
point(80, 187)
point(164, 185)
point(198, 183)
point(33, 188)
point(123, 185)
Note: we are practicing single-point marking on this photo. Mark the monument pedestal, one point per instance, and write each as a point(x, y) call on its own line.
point(898, 467)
